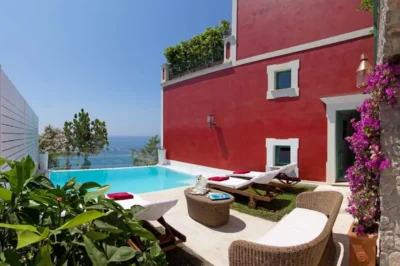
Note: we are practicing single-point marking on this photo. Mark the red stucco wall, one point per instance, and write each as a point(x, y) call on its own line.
point(265, 26)
point(245, 118)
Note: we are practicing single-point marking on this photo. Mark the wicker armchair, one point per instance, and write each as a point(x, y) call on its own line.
point(318, 252)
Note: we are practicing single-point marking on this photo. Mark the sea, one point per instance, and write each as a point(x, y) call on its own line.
point(118, 153)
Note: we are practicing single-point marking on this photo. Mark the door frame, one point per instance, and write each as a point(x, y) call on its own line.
point(338, 138)
point(334, 104)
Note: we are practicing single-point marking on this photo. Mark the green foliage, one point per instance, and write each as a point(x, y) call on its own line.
point(85, 136)
point(202, 50)
point(366, 5)
point(41, 224)
point(148, 155)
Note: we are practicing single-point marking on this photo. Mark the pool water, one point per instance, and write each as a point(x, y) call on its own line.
point(132, 179)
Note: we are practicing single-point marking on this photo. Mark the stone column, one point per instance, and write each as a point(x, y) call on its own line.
point(389, 231)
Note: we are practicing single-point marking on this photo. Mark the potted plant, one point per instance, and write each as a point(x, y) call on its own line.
point(364, 175)
point(162, 155)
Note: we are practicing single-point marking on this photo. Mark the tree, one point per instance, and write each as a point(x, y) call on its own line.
point(53, 141)
point(85, 137)
point(148, 155)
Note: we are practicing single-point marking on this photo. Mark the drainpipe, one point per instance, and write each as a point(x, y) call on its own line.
point(375, 13)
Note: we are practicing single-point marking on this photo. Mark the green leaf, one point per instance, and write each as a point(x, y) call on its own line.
point(5, 194)
point(155, 250)
point(70, 184)
point(2, 161)
point(20, 227)
point(140, 231)
point(57, 192)
point(136, 209)
point(43, 199)
point(107, 227)
point(122, 254)
point(94, 194)
point(12, 179)
point(97, 257)
point(29, 167)
point(43, 258)
point(12, 257)
point(96, 235)
point(78, 243)
point(82, 219)
point(110, 250)
point(75, 230)
point(44, 181)
point(26, 238)
point(89, 185)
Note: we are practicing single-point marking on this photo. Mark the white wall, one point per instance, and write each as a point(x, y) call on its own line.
point(18, 124)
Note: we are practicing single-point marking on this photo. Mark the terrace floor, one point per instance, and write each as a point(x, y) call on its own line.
point(212, 244)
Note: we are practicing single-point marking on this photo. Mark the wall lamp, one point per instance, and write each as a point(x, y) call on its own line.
point(364, 69)
point(211, 120)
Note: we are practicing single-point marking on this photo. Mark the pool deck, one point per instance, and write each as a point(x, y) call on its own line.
point(212, 244)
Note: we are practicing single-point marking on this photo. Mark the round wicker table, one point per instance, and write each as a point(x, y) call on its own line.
point(212, 213)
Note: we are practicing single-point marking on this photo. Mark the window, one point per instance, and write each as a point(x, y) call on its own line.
point(282, 155)
point(283, 80)
point(281, 152)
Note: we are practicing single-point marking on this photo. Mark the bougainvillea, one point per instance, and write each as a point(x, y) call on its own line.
point(364, 175)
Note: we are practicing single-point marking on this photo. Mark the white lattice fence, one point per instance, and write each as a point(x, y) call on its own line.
point(18, 124)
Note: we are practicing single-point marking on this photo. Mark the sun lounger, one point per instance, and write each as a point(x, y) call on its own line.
point(285, 175)
point(154, 211)
point(238, 185)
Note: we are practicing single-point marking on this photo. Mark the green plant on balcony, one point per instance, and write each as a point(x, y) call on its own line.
point(203, 50)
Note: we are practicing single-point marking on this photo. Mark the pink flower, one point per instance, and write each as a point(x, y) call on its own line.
point(364, 175)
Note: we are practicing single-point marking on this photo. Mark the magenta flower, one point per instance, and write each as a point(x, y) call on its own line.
point(364, 175)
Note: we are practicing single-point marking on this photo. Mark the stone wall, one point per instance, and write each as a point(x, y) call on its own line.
point(390, 188)
point(388, 47)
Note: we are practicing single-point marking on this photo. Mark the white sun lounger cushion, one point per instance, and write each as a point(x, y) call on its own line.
point(299, 227)
point(288, 169)
point(266, 177)
point(237, 183)
point(152, 211)
point(232, 182)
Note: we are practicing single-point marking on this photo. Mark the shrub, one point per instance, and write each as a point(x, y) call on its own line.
point(364, 175)
point(201, 50)
point(53, 141)
point(148, 155)
point(70, 225)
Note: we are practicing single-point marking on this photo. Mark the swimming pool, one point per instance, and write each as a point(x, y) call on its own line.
point(132, 179)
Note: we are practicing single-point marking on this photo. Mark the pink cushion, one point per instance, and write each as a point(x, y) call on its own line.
point(120, 196)
point(240, 172)
point(218, 178)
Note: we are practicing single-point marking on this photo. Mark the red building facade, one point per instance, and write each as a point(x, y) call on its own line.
point(314, 51)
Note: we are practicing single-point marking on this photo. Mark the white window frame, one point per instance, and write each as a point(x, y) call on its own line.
point(270, 144)
point(294, 90)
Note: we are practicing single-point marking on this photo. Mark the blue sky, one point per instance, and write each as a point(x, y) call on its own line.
point(102, 55)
